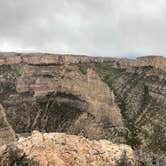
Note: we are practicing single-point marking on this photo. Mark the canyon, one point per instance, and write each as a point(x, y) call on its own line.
point(108, 103)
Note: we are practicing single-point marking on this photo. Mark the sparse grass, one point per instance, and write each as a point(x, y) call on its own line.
point(108, 72)
point(158, 139)
point(8, 73)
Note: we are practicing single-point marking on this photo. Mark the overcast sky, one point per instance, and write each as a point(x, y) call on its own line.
point(94, 27)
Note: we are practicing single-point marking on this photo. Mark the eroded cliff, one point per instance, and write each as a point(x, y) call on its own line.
point(54, 96)
point(99, 98)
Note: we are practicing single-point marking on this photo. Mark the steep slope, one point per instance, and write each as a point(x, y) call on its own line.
point(51, 95)
point(141, 95)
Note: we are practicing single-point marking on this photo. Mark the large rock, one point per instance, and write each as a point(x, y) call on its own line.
point(61, 150)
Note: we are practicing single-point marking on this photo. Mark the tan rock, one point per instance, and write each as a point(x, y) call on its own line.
point(61, 149)
point(48, 59)
point(158, 62)
point(69, 79)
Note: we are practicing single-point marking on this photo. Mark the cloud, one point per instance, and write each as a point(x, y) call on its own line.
point(93, 27)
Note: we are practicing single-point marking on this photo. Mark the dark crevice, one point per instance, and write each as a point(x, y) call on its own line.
point(55, 112)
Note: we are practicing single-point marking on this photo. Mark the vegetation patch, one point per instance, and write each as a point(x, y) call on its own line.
point(83, 67)
point(123, 161)
point(16, 157)
point(8, 73)
point(108, 72)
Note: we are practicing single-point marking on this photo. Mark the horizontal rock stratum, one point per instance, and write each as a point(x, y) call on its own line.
point(158, 62)
point(44, 58)
point(119, 100)
point(41, 58)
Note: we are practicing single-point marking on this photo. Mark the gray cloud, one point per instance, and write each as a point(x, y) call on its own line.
point(93, 27)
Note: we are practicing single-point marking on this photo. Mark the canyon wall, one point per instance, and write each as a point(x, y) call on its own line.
point(158, 62)
point(120, 100)
point(48, 93)
point(42, 58)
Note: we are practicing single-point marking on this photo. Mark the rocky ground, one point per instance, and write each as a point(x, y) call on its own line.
point(62, 150)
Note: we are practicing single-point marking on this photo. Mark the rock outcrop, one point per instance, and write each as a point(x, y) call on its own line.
point(157, 62)
point(43, 58)
point(68, 150)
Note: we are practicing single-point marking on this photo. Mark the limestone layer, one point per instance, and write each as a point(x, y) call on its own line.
point(43, 58)
point(158, 62)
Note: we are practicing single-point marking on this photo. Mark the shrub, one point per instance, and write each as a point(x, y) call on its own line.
point(15, 157)
point(123, 161)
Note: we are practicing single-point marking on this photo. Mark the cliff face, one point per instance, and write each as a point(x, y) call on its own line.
point(99, 98)
point(50, 94)
point(157, 62)
point(43, 58)
point(140, 93)
point(69, 80)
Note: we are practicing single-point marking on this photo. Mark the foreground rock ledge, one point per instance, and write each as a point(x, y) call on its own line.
point(64, 150)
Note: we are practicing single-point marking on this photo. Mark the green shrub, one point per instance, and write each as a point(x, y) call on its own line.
point(83, 68)
point(123, 161)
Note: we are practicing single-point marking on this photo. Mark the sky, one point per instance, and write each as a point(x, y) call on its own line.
point(115, 28)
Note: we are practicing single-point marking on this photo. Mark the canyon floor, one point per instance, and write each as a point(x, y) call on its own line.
point(81, 110)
